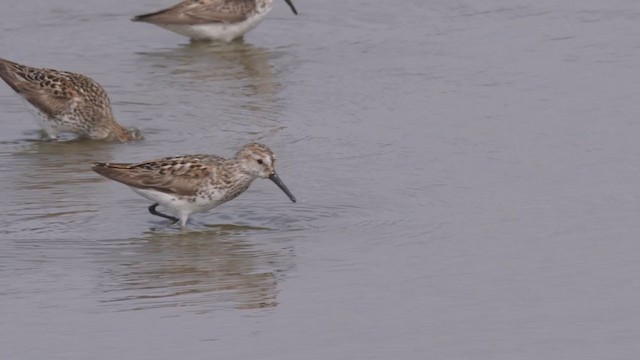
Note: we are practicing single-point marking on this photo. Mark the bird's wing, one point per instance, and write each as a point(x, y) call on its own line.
point(179, 175)
point(51, 91)
point(196, 12)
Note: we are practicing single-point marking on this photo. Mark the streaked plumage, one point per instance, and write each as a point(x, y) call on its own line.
point(66, 102)
point(195, 183)
point(212, 19)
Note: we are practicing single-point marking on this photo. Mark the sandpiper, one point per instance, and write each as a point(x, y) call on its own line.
point(212, 19)
point(66, 102)
point(195, 183)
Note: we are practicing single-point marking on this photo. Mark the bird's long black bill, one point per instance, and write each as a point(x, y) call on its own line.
point(293, 8)
point(276, 179)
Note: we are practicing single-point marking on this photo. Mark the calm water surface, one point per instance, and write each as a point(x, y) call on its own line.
point(467, 175)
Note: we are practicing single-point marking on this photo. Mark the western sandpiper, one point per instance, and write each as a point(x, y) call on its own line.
point(212, 19)
point(66, 102)
point(195, 183)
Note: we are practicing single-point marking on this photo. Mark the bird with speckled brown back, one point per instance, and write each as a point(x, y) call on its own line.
point(66, 102)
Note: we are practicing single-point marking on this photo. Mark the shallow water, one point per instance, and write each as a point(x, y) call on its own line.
point(466, 172)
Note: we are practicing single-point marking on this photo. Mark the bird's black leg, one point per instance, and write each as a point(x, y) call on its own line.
point(152, 210)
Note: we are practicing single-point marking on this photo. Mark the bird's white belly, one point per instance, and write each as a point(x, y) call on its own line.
point(217, 31)
point(179, 204)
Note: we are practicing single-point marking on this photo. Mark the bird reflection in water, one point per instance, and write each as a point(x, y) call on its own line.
point(237, 71)
point(205, 270)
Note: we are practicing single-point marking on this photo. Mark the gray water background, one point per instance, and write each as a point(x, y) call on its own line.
point(467, 175)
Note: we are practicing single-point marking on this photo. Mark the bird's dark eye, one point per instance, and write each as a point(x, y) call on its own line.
point(260, 161)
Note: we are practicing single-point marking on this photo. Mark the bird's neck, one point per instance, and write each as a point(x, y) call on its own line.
point(121, 133)
point(237, 173)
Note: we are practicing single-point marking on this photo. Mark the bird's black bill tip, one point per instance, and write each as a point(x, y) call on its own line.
point(276, 179)
point(97, 166)
point(293, 8)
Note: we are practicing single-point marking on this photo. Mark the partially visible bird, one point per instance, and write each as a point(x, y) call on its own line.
point(212, 19)
point(66, 102)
